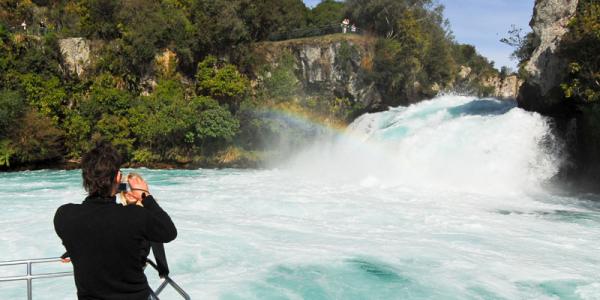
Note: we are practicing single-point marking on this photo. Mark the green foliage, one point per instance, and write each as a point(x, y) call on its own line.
point(386, 18)
point(221, 81)
point(12, 106)
point(326, 13)
point(395, 69)
point(25, 54)
point(99, 18)
point(347, 55)
point(219, 24)
point(214, 122)
point(78, 131)
point(167, 124)
point(267, 18)
point(280, 82)
point(438, 64)
point(524, 44)
point(13, 12)
point(416, 50)
point(47, 95)
point(162, 120)
point(580, 47)
point(6, 152)
point(105, 98)
point(115, 129)
point(37, 139)
point(145, 156)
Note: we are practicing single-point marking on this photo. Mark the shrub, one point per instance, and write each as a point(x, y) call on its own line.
point(580, 46)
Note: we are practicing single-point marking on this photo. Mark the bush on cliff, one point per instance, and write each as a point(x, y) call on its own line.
point(416, 56)
point(581, 46)
point(221, 81)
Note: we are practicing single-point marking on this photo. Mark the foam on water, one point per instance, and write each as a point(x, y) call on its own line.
point(451, 142)
point(440, 200)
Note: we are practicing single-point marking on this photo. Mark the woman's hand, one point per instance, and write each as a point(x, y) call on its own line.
point(138, 187)
point(131, 199)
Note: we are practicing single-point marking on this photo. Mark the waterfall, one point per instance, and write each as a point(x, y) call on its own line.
point(450, 142)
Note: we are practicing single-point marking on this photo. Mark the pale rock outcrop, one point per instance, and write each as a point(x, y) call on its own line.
point(165, 63)
point(76, 55)
point(322, 69)
point(504, 88)
point(572, 123)
point(509, 87)
point(464, 72)
point(546, 69)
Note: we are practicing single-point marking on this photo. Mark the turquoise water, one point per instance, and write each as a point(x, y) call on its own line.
point(347, 220)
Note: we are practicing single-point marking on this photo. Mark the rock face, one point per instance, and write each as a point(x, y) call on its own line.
point(573, 123)
point(338, 67)
point(504, 88)
point(546, 69)
point(76, 55)
point(509, 89)
point(330, 67)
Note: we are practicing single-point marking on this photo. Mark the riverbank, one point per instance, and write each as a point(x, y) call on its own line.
point(244, 161)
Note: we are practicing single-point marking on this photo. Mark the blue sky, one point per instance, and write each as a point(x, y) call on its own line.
point(483, 23)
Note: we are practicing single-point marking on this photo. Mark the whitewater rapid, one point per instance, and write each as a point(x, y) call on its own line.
point(451, 142)
point(444, 199)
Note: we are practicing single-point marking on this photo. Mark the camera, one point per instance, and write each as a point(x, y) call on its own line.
point(123, 187)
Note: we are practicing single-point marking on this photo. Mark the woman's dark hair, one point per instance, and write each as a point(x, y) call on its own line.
point(99, 168)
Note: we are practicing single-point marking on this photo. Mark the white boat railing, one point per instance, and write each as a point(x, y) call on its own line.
point(29, 277)
point(168, 281)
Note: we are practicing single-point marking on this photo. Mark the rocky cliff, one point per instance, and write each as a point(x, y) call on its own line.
point(504, 88)
point(339, 65)
point(546, 69)
point(575, 122)
point(76, 55)
point(333, 66)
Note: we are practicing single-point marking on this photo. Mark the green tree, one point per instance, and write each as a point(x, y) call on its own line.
point(163, 120)
point(280, 82)
point(524, 44)
point(385, 17)
point(47, 95)
point(104, 116)
point(273, 18)
point(219, 25)
point(100, 19)
point(78, 130)
point(37, 139)
point(327, 12)
point(12, 106)
point(105, 98)
point(6, 153)
point(221, 81)
point(580, 47)
point(215, 123)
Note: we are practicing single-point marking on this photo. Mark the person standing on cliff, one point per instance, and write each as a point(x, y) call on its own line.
point(345, 24)
point(107, 243)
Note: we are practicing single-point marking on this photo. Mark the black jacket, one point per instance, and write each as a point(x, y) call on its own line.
point(108, 245)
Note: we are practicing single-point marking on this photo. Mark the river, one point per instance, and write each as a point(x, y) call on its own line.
point(445, 199)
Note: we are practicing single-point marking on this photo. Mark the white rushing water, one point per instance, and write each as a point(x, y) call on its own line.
point(440, 200)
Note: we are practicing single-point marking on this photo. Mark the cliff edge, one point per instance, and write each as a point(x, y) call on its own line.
point(555, 86)
point(546, 69)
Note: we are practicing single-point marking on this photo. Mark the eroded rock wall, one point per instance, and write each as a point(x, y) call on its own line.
point(330, 67)
point(76, 55)
point(574, 123)
point(546, 69)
